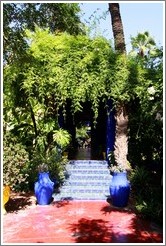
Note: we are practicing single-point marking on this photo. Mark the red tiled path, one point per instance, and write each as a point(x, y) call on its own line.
point(77, 222)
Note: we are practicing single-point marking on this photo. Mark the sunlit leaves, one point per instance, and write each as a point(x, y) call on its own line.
point(18, 16)
point(15, 160)
point(68, 67)
point(62, 138)
point(62, 67)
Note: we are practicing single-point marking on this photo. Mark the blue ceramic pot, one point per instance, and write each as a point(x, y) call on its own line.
point(44, 189)
point(119, 189)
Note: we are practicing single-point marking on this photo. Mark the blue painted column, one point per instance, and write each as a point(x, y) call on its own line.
point(110, 129)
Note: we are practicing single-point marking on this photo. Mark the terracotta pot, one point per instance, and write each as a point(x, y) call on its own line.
point(6, 196)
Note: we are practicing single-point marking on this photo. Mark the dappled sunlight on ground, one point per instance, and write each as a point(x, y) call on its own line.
point(77, 222)
point(20, 201)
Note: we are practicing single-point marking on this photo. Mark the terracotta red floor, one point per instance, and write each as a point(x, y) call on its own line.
point(77, 222)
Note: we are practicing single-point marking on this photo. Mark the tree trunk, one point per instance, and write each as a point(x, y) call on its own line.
point(121, 115)
point(117, 27)
point(121, 136)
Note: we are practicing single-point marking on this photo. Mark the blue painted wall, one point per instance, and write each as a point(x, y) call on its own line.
point(110, 129)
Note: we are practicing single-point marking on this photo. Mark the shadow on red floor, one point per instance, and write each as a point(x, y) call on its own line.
point(77, 222)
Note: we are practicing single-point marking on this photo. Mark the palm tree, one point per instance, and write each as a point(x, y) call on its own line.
point(121, 115)
point(143, 44)
point(117, 27)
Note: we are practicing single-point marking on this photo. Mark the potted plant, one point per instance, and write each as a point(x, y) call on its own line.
point(43, 188)
point(120, 186)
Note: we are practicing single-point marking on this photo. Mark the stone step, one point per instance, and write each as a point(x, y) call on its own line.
point(88, 164)
point(81, 188)
point(86, 167)
point(87, 171)
point(81, 196)
point(90, 183)
point(89, 177)
point(85, 180)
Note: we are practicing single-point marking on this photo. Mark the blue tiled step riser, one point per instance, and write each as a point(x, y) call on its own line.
point(94, 172)
point(85, 189)
point(88, 189)
point(84, 195)
point(86, 184)
point(88, 165)
point(76, 168)
point(89, 177)
point(87, 162)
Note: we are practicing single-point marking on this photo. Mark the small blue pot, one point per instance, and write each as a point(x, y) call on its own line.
point(119, 189)
point(44, 189)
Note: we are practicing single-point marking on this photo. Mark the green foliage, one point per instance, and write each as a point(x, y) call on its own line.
point(42, 168)
point(62, 67)
point(148, 197)
point(142, 132)
point(15, 162)
point(67, 67)
point(146, 113)
point(62, 138)
point(82, 135)
point(81, 132)
point(146, 135)
point(140, 179)
point(51, 161)
point(57, 165)
point(18, 16)
point(151, 205)
point(143, 45)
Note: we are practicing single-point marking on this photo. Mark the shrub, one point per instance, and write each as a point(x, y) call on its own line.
point(148, 197)
point(140, 179)
point(15, 161)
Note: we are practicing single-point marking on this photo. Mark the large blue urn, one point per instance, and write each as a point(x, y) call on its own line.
point(119, 189)
point(44, 189)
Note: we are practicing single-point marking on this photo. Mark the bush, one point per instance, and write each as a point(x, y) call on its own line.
point(148, 197)
point(15, 162)
point(151, 205)
point(140, 179)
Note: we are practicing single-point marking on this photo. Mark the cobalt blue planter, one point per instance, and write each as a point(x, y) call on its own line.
point(119, 189)
point(44, 189)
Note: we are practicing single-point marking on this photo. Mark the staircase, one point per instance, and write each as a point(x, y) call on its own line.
point(85, 180)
